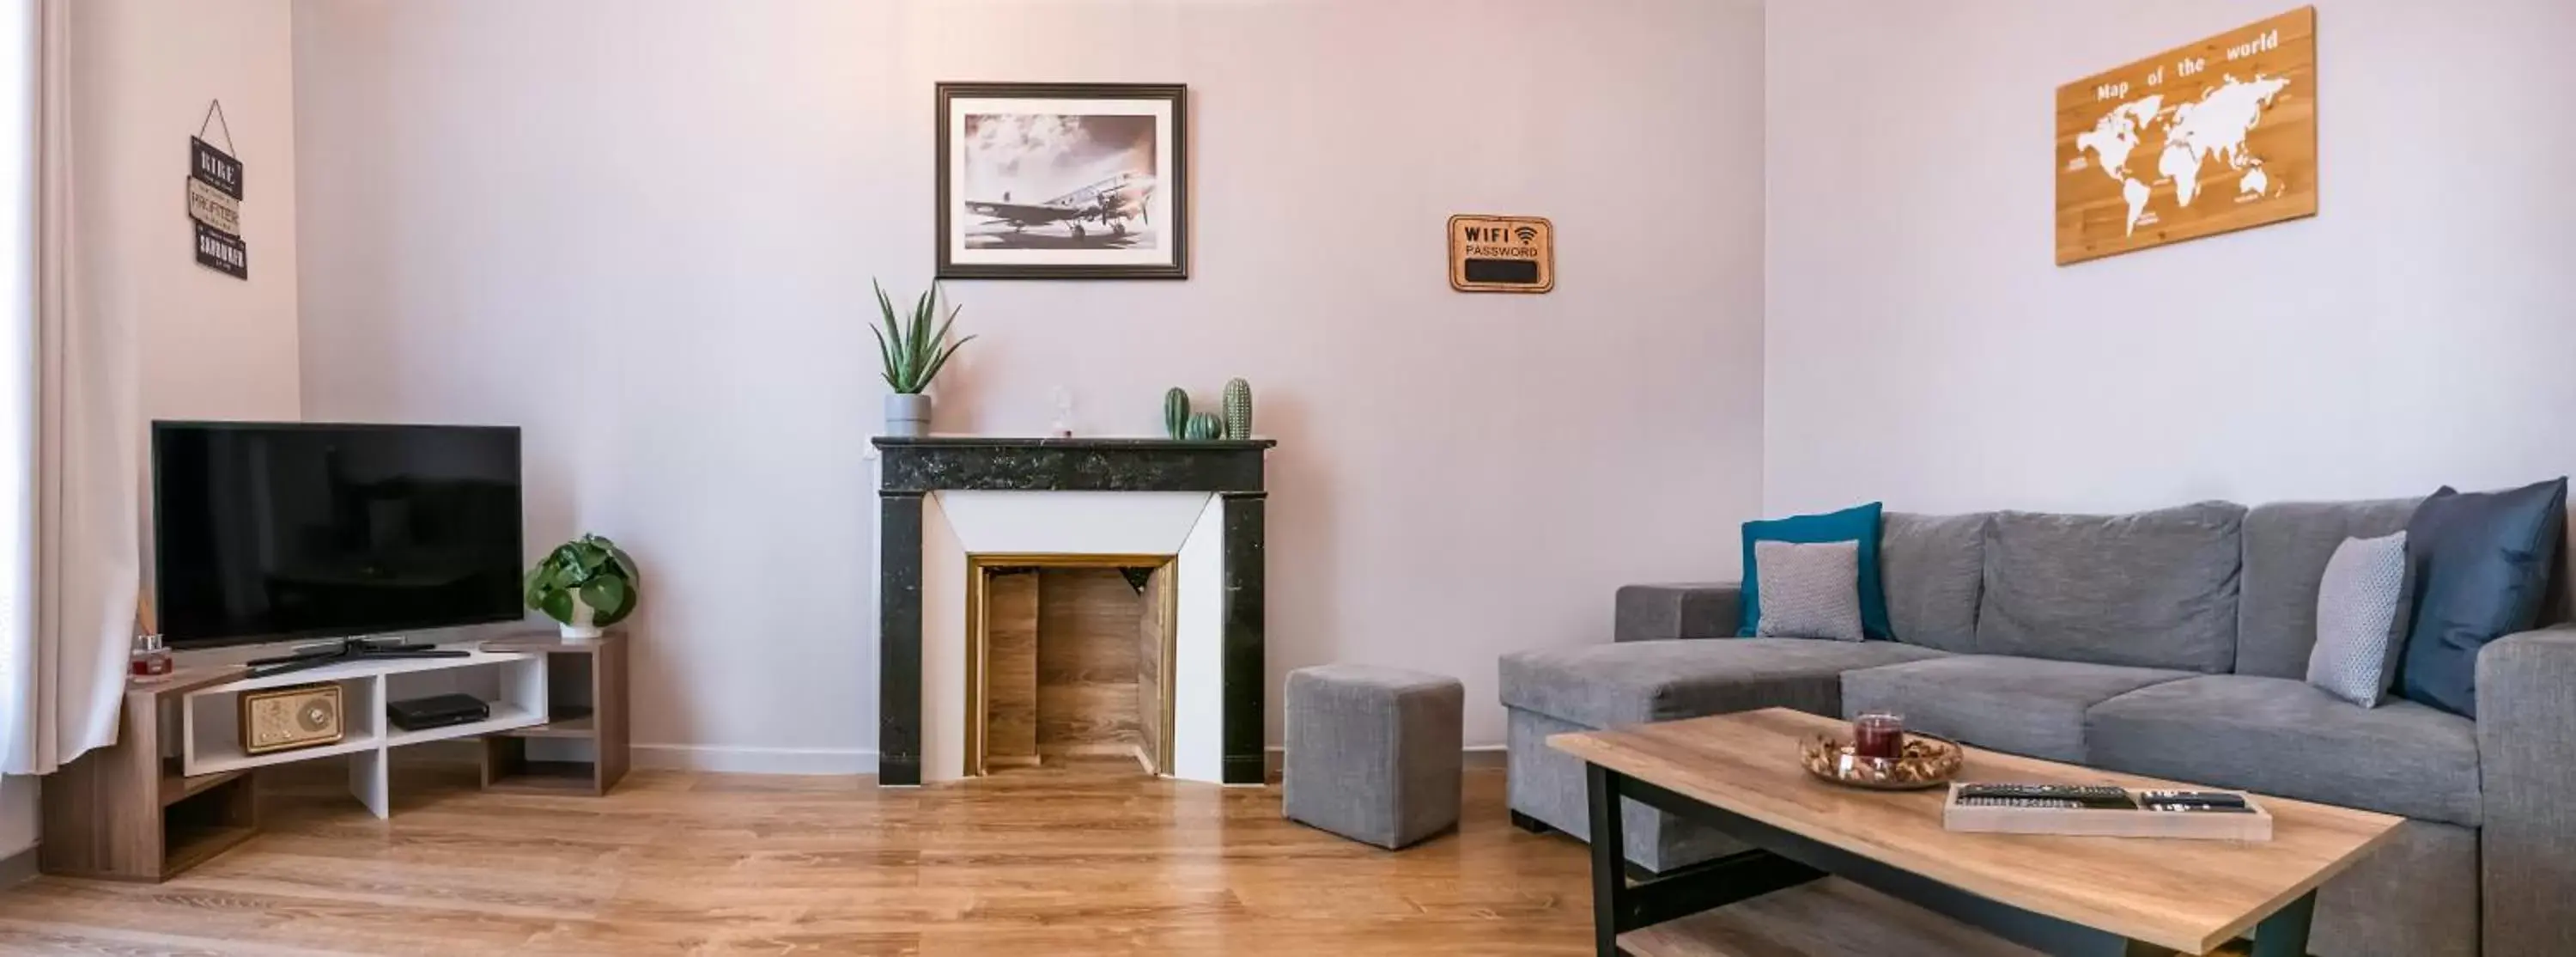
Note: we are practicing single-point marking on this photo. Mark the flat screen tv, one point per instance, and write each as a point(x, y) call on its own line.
point(274, 531)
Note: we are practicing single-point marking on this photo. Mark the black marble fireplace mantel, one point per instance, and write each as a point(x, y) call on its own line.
point(912, 468)
point(1070, 465)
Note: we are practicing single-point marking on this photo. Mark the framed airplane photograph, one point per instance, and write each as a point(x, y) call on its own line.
point(1063, 181)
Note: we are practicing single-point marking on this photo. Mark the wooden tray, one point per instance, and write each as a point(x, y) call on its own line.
point(2093, 822)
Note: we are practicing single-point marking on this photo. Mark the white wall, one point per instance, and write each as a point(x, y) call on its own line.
point(210, 346)
point(644, 231)
point(1922, 347)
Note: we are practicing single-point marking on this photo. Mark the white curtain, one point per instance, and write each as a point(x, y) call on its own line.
point(69, 433)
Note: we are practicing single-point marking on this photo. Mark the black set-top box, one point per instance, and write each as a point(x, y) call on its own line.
point(437, 711)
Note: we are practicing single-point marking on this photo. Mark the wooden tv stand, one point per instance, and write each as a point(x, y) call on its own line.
point(513, 682)
point(581, 748)
point(176, 788)
point(124, 812)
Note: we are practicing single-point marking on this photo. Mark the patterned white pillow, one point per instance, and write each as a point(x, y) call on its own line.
point(1808, 590)
point(2354, 658)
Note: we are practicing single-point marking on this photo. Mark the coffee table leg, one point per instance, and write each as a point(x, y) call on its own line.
point(1609, 858)
point(2285, 933)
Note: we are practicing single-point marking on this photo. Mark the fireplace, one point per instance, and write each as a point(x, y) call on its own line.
point(964, 519)
point(1068, 660)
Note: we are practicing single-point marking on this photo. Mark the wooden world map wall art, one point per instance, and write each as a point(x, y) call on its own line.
point(2206, 138)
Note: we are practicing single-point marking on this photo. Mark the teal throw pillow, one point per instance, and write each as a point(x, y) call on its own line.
point(1858, 525)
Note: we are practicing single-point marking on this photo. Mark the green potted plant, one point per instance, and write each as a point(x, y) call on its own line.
point(584, 585)
point(914, 352)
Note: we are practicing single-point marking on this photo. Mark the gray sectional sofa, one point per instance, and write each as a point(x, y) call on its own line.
point(2171, 643)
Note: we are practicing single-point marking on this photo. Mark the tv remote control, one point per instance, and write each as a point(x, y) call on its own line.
point(2213, 798)
point(2200, 808)
point(2059, 795)
point(2220, 801)
point(2053, 804)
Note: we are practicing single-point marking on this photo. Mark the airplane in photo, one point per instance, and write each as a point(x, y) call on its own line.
point(1111, 201)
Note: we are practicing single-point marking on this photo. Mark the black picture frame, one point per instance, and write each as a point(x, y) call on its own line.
point(1171, 181)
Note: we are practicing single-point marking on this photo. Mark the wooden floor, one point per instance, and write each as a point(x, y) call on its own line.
point(1027, 864)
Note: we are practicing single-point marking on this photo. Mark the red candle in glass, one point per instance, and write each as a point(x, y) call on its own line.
point(1878, 734)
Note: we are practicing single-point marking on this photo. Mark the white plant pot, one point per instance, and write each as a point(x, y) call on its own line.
point(907, 415)
point(583, 626)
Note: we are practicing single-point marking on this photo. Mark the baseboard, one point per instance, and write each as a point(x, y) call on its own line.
point(18, 868)
point(733, 760)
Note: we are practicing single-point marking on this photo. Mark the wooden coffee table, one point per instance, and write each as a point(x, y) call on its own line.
point(1972, 893)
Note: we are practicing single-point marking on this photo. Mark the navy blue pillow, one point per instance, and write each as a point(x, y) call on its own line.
point(1856, 524)
point(2479, 564)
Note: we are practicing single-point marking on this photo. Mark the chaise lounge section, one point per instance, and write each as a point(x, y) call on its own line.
point(2172, 643)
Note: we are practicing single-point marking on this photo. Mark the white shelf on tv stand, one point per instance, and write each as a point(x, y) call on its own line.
point(514, 683)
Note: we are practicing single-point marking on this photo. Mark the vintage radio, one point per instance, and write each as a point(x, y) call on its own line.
point(283, 719)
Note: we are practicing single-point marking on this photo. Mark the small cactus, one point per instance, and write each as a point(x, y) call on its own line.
point(1204, 426)
point(1238, 409)
point(1176, 412)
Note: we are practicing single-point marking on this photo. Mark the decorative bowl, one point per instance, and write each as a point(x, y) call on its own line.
point(1927, 761)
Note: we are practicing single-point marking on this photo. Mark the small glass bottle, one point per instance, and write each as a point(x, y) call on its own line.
point(151, 659)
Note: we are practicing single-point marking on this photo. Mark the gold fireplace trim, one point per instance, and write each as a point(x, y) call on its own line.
point(977, 635)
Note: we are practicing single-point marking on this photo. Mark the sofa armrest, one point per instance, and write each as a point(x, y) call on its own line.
point(1666, 612)
point(2526, 697)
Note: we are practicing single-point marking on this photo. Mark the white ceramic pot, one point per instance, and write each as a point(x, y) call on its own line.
point(583, 626)
point(907, 415)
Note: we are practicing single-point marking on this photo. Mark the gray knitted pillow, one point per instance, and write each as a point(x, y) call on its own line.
point(1808, 590)
point(2354, 658)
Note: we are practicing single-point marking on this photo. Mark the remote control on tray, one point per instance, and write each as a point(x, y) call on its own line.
point(2057, 796)
point(2221, 801)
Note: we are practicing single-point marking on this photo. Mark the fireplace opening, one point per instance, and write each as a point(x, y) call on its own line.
point(1069, 661)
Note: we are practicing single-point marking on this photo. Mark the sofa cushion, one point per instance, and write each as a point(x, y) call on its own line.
point(2282, 736)
point(1857, 524)
point(1809, 591)
point(2479, 564)
point(1932, 568)
point(1605, 685)
point(1666, 612)
point(2030, 706)
point(2151, 590)
point(2287, 545)
point(2357, 604)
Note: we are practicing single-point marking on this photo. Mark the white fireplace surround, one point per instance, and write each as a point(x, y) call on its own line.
point(1188, 525)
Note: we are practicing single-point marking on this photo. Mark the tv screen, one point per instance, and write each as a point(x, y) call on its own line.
point(269, 531)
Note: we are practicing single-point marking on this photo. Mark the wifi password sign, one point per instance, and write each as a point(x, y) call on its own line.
point(1501, 254)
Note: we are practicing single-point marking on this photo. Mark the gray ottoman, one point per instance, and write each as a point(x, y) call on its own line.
point(1373, 752)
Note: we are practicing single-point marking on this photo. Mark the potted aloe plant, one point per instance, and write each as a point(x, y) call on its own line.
point(914, 352)
point(584, 585)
